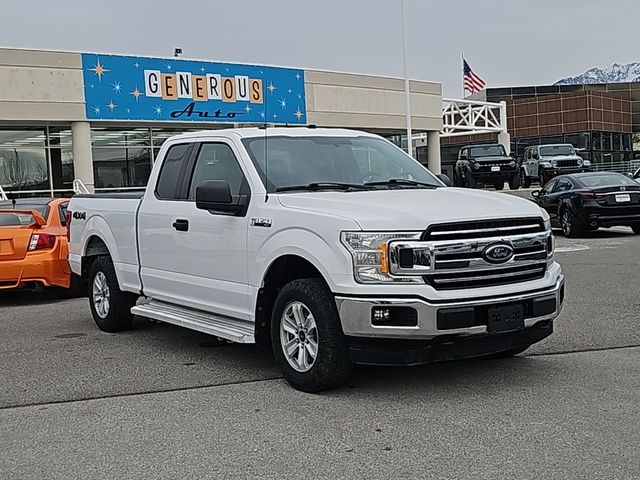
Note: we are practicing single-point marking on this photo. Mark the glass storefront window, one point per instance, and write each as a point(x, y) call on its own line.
point(606, 141)
point(617, 141)
point(626, 142)
point(112, 137)
point(23, 160)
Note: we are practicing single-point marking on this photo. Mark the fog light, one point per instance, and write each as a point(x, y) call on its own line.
point(380, 315)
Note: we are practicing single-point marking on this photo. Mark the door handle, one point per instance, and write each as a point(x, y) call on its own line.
point(181, 225)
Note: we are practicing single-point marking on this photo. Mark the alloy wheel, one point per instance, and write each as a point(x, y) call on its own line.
point(101, 295)
point(299, 336)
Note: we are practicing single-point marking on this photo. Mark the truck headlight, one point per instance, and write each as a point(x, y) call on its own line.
point(579, 162)
point(370, 254)
point(512, 163)
point(546, 220)
point(554, 163)
point(476, 165)
point(586, 163)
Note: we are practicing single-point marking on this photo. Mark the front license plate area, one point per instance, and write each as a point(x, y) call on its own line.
point(505, 318)
point(623, 197)
point(495, 169)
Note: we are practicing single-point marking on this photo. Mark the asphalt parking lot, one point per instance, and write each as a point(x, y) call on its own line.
point(162, 402)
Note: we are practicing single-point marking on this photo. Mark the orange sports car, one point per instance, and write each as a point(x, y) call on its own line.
point(33, 243)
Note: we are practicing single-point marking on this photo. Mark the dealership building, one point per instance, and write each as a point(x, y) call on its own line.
point(601, 120)
point(102, 118)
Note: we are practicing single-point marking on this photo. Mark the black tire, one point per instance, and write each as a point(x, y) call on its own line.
point(471, 181)
point(117, 316)
point(457, 181)
point(514, 182)
point(332, 364)
point(568, 223)
point(525, 181)
point(543, 178)
point(636, 229)
point(499, 185)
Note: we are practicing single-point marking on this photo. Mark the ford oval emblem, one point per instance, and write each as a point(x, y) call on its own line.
point(498, 253)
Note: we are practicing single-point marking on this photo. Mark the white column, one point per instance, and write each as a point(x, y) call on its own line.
point(407, 92)
point(433, 152)
point(503, 137)
point(82, 153)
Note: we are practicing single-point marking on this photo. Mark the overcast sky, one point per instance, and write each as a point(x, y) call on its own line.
point(514, 42)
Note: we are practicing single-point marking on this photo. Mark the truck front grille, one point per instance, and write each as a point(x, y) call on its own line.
point(458, 253)
point(567, 163)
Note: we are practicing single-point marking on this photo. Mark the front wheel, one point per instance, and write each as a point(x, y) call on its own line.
point(525, 181)
point(543, 178)
point(110, 306)
point(307, 338)
point(471, 181)
point(514, 182)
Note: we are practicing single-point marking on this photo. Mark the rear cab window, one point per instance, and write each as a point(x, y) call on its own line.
point(170, 179)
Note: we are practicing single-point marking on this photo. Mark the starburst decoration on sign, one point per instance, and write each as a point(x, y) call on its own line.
point(158, 110)
point(96, 109)
point(116, 87)
point(299, 96)
point(137, 65)
point(272, 88)
point(274, 116)
point(247, 109)
point(168, 67)
point(136, 94)
point(283, 103)
point(111, 106)
point(289, 91)
point(298, 114)
point(99, 70)
point(202, 69)
point(298, 76)
point(262, 115)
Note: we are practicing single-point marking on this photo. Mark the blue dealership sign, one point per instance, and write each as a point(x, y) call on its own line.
point(138, 88)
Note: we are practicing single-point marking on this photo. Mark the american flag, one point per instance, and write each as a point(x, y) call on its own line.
point(472, 82)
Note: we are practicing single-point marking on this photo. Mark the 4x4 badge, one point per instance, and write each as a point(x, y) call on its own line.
point(261, 222)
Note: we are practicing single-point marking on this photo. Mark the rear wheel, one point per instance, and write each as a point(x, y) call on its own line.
point(457, 181)
point(110, 306)
point(307, 338)
point(525, 181)
point(568, 224)
point(636, 229)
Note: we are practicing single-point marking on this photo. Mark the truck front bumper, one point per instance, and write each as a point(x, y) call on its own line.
point(460, 322)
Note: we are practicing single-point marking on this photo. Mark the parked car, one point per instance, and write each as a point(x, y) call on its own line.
point(588, 201)
point(33, 244)
point(288, 235)
point(485, 164)
point(543, 162)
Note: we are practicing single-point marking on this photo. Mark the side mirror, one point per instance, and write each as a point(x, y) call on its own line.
point(535, 194)
point(215, 195)
point(444, 179)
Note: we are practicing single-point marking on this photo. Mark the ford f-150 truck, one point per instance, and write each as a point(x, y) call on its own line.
point(334, 246)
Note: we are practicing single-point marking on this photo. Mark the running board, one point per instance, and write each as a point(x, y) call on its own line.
point(240, 331)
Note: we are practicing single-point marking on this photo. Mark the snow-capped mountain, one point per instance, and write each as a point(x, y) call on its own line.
point(616, 73)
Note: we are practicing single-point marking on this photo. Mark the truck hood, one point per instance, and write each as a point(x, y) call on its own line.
point(411, 209)
point(561, 157)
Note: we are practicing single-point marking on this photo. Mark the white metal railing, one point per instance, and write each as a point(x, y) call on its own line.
point(79, 187)
point(468, 117)
point(620, 167)
point(3, 196)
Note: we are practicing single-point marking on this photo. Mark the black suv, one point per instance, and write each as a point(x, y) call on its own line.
point(486, 164)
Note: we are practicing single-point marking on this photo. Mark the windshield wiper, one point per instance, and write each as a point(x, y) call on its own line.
point(315, 186)
point(401, 181)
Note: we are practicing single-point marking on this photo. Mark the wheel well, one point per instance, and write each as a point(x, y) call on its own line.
point(95, 248)
point(284, 270)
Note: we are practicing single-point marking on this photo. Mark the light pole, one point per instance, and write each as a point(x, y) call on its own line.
point(407, 92)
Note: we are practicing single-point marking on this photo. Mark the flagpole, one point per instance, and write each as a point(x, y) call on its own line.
point(463, 90)
point(407, 92)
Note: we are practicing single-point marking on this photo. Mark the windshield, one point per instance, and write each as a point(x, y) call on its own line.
point(556, 150)
point(357, 161)
point(607, 180)
point(487, 151)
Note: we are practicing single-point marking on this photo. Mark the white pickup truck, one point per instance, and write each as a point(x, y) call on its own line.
point(333, 245)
